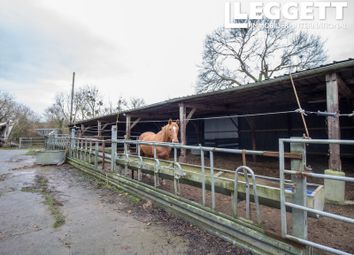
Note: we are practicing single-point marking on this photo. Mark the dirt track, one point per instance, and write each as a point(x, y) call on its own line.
point(98, 220)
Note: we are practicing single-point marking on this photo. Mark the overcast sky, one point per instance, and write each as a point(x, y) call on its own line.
point(140, 48)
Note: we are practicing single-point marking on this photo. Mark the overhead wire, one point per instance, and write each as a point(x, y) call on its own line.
point(299, 110)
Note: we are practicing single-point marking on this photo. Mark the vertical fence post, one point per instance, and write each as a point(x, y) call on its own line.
point(77, 141)
point(90, 152)
point(20, 143)
point(282, 190)
point(299, 217)
point(212, 179)
point(96, 155)
point(72, 142)
point(103, 155)
point(202, 163)
point(113, 148)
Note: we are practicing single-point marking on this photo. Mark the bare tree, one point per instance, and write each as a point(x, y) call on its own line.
point(233, 57)
point(91, 102)
point(124, 104)
point(136, 102)
point(7, 107)
point(26, 122)
point(25, 119)
point(87, 104)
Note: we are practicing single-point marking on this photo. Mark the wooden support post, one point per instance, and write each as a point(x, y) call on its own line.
point(333, 122)
point(82, 130)
point(127, 126)
point(182, 128)
point(127, 130)
point(299, 217)
point(99, 129)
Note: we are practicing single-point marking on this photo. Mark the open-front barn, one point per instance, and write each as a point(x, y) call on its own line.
point(252, 116)
point(289, 139)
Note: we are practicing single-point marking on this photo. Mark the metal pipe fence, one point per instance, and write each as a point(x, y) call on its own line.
point(31, 142)
point(93, 151)
point(300, 205)
point(60, 142)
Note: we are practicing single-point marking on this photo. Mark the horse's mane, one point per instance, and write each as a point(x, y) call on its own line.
point(163, 129)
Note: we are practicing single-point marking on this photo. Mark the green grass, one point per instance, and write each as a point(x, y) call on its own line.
point(53, 206)
point(41, 186)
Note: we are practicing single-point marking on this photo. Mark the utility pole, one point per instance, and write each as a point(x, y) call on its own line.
point(72, 99)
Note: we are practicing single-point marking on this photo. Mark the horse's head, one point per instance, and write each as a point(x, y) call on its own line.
point(171, 131)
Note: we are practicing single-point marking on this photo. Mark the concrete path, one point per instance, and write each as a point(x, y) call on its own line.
point(92, 224)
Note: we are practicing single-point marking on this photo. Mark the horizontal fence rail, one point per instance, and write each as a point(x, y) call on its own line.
point(300, 205)
point(31, 142)
point(116, 160)
point(102, 159)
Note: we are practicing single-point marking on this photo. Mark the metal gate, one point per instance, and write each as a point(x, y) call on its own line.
point(300, 172)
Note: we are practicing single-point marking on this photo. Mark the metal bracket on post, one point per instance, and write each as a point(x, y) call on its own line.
point(156, 169)
point(299, 217)
point(141, 162)
point(126, 158)
point(156, 173)
point(246, 170)
point(178, 173)
point(113, 148)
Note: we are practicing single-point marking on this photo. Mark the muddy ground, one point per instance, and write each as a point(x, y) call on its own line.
point(96, 218)
point(323, 230)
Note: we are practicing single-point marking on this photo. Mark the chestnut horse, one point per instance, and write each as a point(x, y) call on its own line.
point(168, 133)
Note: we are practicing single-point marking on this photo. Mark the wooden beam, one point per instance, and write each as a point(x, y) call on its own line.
point(344, 90)
point(82, 130)
point(127, 126)
point(208, 107)
point(104, 126)
point(332, 89)
point(190, 115)
point(134, 123)
point(99, 128)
